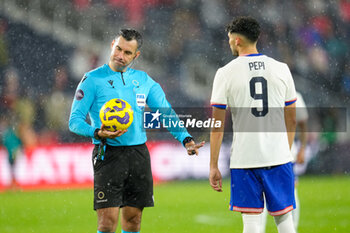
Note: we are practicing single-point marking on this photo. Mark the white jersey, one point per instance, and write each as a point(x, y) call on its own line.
point(256, 88)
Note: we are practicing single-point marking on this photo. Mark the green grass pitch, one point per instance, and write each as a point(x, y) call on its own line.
point(186, 206)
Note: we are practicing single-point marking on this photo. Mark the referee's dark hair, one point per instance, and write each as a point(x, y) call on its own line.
point(246, 26)
point(131, 34)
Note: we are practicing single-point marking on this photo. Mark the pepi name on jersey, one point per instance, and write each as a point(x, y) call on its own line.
point(256, 65)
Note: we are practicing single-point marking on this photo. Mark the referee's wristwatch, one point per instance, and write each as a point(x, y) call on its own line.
point(96, 136)
point(187, 140)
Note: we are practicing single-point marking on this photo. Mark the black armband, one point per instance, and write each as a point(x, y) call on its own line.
point(187, 140)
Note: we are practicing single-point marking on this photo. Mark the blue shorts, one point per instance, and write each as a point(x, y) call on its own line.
point(248, 186)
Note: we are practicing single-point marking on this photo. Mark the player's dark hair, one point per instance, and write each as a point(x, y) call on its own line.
point(131, 34)
point(246, 26)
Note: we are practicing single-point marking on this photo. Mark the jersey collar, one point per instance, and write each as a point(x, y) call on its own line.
point(253, 54)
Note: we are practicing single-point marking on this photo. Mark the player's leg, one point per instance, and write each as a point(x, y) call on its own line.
point(107, 219)
point(263, 218)
point(109, 177)
point(278, 184)
point(138, 188)
point(284, 223)
point(296, 212)
point(12, 174)
point(131, 219)
point(11, 159)
point(247, 198)
point(251, 223)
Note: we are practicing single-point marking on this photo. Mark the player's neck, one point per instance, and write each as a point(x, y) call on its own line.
point(247, 50)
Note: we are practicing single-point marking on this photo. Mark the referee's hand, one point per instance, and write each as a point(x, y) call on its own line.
point(192, 148)
point(104, 133)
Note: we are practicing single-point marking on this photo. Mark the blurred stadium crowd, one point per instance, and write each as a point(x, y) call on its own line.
point(184, 43)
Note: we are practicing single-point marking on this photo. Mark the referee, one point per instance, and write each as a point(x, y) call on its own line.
point(122, 177)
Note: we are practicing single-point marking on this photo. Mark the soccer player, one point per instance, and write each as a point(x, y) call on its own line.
point(11, 142)
point(298, 151)
point(122, 177)
point(261, 94)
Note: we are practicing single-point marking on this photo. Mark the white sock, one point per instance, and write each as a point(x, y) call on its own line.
point(285, 223)
point(296, 212)
point(251, 223)
point(263, 220)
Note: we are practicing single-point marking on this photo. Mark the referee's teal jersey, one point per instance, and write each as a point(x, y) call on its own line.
point(136, 87)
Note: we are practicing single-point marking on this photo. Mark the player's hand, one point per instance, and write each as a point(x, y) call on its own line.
point(301, 156)
point(192, 148)
point(104, 133)
point(215, 179)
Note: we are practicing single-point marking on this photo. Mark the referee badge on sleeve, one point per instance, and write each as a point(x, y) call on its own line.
point(79, 95)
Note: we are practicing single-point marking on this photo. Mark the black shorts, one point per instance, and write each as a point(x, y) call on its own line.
point(123, 178)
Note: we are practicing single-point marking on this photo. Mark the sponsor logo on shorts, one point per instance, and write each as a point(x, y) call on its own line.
point(99, 201)
point(100, 196)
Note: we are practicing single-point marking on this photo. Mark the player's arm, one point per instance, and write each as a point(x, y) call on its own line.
point(216, 136)
point(302, 117)
point(218, 102)
point(302, 130)
point(83, 100)
point(156, 99)
point(290, 121)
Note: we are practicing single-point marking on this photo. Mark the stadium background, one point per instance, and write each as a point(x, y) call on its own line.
point(46, 46)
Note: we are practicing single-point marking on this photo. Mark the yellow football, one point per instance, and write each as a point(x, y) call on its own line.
point(116, 114)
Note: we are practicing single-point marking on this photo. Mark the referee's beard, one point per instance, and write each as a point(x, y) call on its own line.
point(117, 65)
